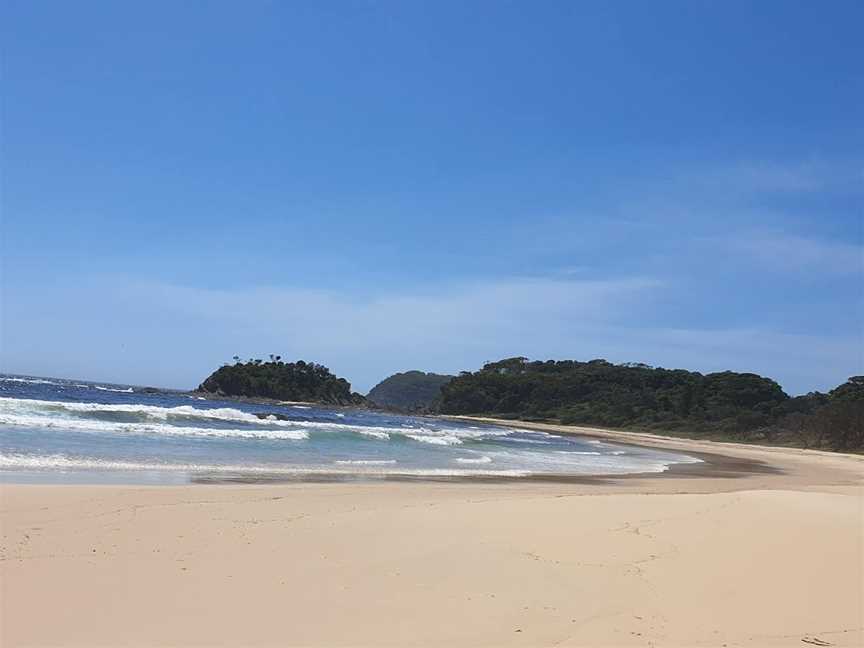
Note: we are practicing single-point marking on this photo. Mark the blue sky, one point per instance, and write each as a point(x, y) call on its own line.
point(383, 186)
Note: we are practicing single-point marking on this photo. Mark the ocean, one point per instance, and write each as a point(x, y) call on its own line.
point(76, 431)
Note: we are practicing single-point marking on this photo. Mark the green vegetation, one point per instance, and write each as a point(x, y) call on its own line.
point(411, 391)
point(723, 406)
point(290, 381)
point(726, 405)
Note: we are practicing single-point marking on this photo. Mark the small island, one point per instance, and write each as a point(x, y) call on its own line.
point(299, 381)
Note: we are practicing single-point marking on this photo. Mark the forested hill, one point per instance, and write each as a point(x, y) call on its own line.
point(726, 405)
point(289, 381)
point(411, 391)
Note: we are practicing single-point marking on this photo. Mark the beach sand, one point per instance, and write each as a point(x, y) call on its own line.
point(757, 547)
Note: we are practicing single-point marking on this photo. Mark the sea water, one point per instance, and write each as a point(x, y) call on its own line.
point(80, 431)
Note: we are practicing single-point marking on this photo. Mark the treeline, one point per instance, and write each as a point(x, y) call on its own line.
point(289, 381)
point(725, 405)
point(410, 391)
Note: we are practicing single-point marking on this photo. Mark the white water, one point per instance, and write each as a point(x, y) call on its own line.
point(54, 428)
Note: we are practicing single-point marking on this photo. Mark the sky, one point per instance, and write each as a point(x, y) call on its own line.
point(384, 186)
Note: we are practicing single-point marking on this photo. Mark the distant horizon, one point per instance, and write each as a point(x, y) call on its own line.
point(364, 392)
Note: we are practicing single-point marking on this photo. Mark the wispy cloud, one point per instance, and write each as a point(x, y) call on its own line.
point(800, 362)
point(659, 273)
point(454, 328)
point(788, 253)
point(791, 176)
point(773, 177)
point(816, 200)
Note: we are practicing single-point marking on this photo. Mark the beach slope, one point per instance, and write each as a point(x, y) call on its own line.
point(768, 556)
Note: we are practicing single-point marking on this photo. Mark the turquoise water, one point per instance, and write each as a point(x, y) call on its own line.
point(78, 431)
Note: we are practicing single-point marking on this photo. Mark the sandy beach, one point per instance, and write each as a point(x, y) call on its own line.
point(755, 547)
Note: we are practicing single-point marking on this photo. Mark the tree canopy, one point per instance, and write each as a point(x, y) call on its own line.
point(743, 406)
point(291, 381)
point(411, 391)
point(722, 405)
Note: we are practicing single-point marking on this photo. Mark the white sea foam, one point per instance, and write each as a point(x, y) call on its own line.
point(453, 436)
point(129, 390)
point(80, 416)
point(20, 461)
point(587, 463)
point(471, 460)
point(579, 452)
point(10, 461)
point(430, 439)
point(116, 427)
point(375, 434)
point(365, 462)
point(54, 408)
point(438, 439)
point(30, 381)
point(63, 462)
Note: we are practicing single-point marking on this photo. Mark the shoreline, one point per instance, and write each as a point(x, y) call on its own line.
point(778, 465)
point(735, 464)
point(756, 547)
point(646, 439)
point(723, 465)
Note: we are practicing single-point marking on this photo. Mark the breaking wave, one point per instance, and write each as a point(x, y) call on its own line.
point(18, 461)
point(174, 433)
point(365, 462)
point(110, 427)
point(30, 381)
point(181, 420)
point(471, 460)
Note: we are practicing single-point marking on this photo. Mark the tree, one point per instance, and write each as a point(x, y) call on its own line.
point(410, 391)
point(601, 393)
point(282, 381)
point(851, 390)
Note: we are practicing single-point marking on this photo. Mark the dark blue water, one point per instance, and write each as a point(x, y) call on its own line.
point(78, 431)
